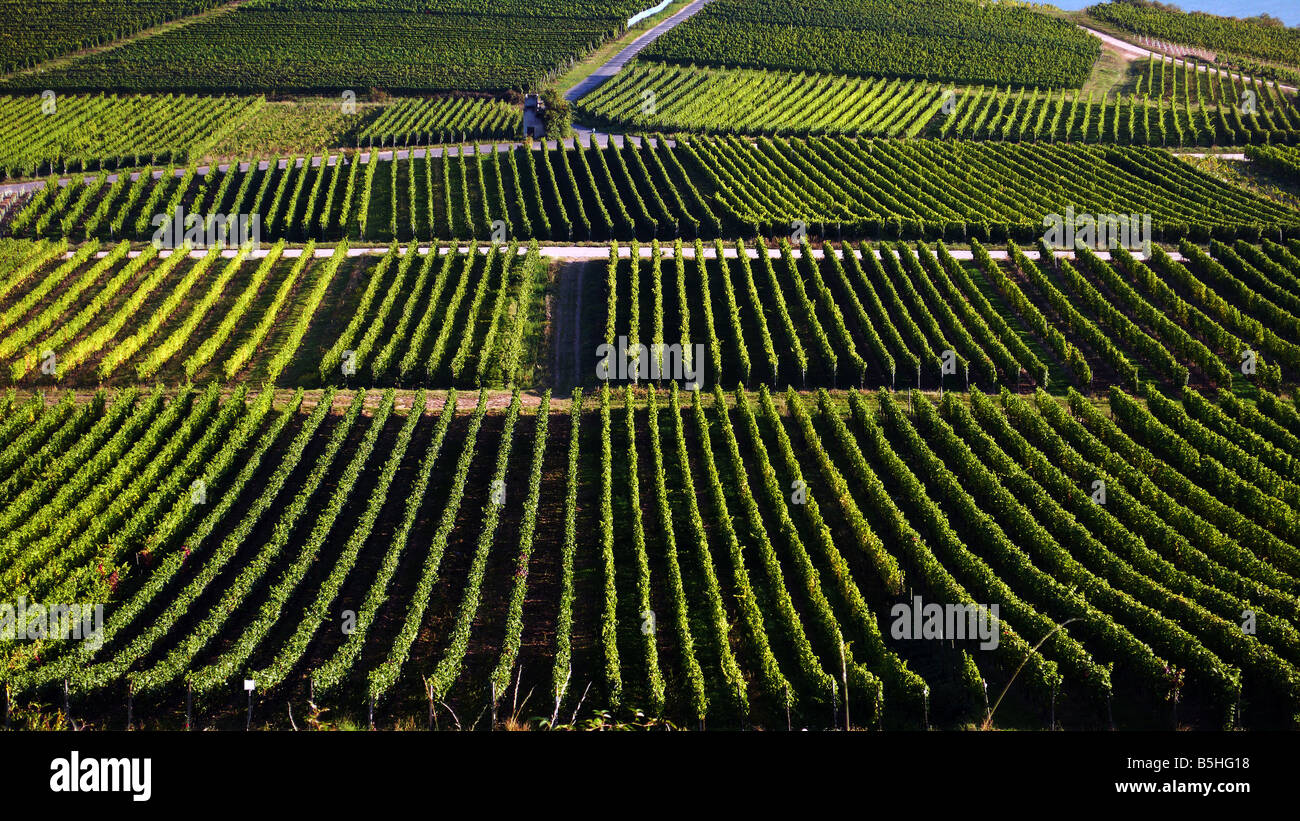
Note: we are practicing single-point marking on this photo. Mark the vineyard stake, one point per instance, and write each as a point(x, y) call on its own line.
point(574, 719)
point(1052, 724)
point(844, 674)
point(248, 722)
point(130, 706)
point(494, 705)
point(559, 695)
point(787, 708)
point(6, 706)
point(67, 705)
point(835, 704)
point(514, 700)
point(372, 712)
point(189, 703)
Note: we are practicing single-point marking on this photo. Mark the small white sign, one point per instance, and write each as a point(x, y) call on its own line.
point(249, 684)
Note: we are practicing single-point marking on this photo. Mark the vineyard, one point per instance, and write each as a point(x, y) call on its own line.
point(37, 30)
point(949, 40)
point(960, 499)
point(707, 187)
point(1220, 113)
point(45, 135)
point(953, 189)
point(276, 46)
point(832, 364)
point(1193, 108)
point(113, 316)
point(418, 122)
point(915, 316)
point(454, 319)
point(1283, 162)
point(117, 315)
point(659, 97)
point(1247, 38)
point(889, 315)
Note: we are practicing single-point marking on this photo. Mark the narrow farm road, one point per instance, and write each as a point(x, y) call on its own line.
point(1135, 52)
point(615, 64)
point(568, 338)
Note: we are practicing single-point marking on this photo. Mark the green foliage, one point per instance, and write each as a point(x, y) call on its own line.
point(1252, 37)
point(39, 30)
point(935, 39)
point(277, 46)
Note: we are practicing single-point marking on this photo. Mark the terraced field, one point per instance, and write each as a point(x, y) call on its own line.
point(1168, 106)
point(433, 46)
point(100, 131)
point(705, 594)
point(898, 374)
point(707, 187)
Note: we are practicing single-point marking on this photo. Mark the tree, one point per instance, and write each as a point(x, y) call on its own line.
point(557, 114)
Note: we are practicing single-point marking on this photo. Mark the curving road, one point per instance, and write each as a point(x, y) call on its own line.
point(1135, 52)
point(615, 64)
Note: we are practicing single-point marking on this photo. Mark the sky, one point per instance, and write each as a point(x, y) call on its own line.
point(1286, 10)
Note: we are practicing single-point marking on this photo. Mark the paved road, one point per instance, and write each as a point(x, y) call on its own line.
point(615, 64)
point(1137, 52)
